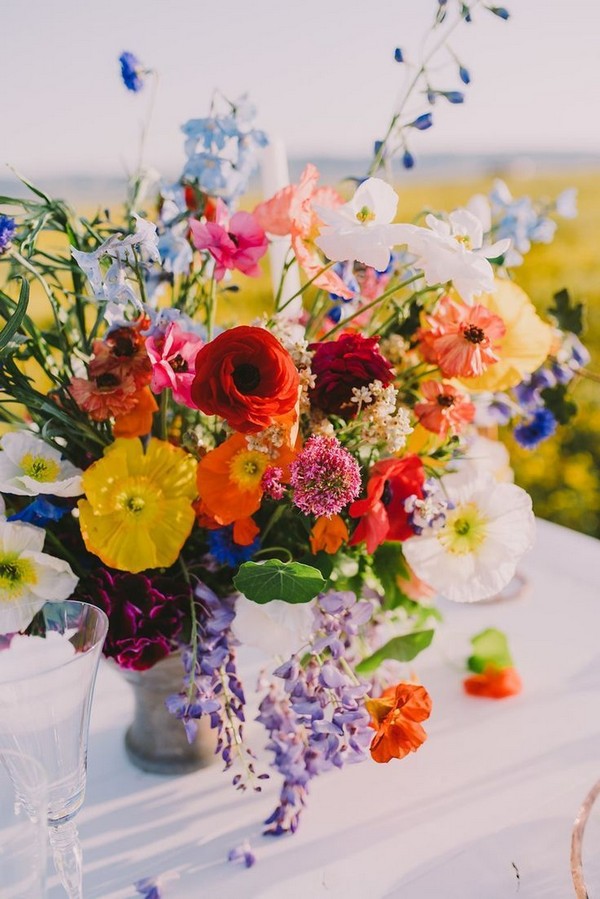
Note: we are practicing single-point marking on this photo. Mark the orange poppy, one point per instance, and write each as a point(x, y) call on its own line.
point(395, 717)
point(494, 683)
point(138, 422)
point(328, 534)
point(230, 478)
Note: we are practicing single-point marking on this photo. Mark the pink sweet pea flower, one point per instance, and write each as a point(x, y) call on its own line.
point(237, 243)
point(292, 211)
point(173, 358)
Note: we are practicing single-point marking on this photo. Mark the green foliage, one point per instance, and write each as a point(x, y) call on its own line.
point(289, 581)
point(402, 649)
point(14, 322)
point(490, 650)
point(568, 315)
point(557, 399)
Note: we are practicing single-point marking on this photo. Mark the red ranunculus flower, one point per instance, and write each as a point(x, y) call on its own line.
point(382, 513)
point(342, 364)
point(247, 377)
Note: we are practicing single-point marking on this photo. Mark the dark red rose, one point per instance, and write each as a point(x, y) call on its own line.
point(382, 513)
point(144, 614)
point(247, 377)
point(342, 364)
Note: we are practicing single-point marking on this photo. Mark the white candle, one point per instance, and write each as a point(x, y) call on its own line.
point(275, 176)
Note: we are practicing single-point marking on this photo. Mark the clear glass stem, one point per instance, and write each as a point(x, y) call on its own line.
point(66, 849)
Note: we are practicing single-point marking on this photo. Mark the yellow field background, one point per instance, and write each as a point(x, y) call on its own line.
point(563, 475)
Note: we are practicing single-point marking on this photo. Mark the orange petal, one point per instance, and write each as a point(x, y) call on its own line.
point(138, 422)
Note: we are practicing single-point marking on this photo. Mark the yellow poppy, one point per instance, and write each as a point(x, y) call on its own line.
point(138, 511)
point(524, 347)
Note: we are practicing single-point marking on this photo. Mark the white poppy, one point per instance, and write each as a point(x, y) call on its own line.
point(277, 628)
point(475, 553)
point(454, 251)
point(28, 467)
point(361, 230)
point(28, 576)
point(482, 457)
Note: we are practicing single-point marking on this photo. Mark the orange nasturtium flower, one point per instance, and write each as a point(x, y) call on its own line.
point(137, 422)
point(230, 478)
point(494, 683)
point(396, 717)
point(328, 534)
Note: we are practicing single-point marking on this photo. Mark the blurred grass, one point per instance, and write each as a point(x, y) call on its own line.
point(563, 474)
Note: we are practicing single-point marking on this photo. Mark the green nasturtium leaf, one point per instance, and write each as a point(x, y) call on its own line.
point(490, 649)
point(402, 649)
point(289, 581)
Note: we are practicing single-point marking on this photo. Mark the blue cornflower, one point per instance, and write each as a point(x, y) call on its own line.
point(540, 426)
point(131, 72)
point(7, 232)
point(225, 551)
point(40, 512)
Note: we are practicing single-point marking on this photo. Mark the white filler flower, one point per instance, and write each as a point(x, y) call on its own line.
point(475, 553)
point(276, 628)
point(362, 229)
point(28, 467)
point(28, 575)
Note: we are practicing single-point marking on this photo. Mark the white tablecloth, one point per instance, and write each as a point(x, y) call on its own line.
point(491, 795)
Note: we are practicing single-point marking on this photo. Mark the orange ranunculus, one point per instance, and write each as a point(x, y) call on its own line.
point(247, 377)
point(395, 717)
point(494, 683)
point(138, 422)
point(230, 479)
point(328, 534)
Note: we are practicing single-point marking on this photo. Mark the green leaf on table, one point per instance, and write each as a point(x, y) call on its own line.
point(402, 649)
point(289, 581)
point(568, 315)
point(490, 649)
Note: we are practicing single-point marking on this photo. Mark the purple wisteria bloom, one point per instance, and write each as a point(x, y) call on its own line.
point(242, 853)
point(315, 718)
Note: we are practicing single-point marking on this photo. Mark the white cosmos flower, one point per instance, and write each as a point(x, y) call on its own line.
point(361, 230)
point(28, 575)
point(454, 251)
point(28, 467)
point(277, 628)
point(475, 553)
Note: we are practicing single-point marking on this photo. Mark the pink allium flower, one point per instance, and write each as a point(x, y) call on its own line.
point(461, 339)
point(173, 358)
point(444, 409)
point(325, 477)
point(271, 482)
point(235, 244)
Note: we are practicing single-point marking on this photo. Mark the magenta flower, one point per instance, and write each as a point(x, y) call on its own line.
point(325, 477)
point(173, 358)
point(237, 243)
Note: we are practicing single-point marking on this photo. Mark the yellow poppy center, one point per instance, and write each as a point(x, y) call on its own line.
point(365, 215)
point(464, 531)
point(39, 468)
point(247, 468)
point(16, 574)
point(138, 498)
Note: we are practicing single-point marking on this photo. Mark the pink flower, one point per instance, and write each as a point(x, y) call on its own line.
point(291, 211)
point(325, 477)
point(462, 340)
point(173, 358)
point(445, 408)
point(237, 243)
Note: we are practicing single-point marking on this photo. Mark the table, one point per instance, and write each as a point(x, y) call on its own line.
point(483, 811)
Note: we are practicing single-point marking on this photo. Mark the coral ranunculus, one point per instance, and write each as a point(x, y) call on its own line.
point(382, 513)
point(247, 377)
point(396, 717)
point(138, 509)
point(343, 364)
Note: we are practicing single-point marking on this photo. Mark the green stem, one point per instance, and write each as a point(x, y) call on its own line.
point(273, 520)
point(66, 555)
point(372, 304)
point(307, 284)
point(163, 410)
point(275, 549)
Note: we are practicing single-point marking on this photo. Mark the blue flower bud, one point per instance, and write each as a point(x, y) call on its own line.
point(464, 75)
point(499, 11)
point(398, 56)
point(408, 160)
point(377, 147)
point(422, 122)
point(453, 96)
point(431, 95)
point(465, 12)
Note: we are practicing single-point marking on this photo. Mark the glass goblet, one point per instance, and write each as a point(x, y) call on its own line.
point(47, 674)
point(23, 827)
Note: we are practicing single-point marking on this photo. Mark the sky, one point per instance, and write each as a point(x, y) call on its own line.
point(321, 72)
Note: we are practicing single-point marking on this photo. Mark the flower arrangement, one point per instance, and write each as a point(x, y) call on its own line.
point(305, 483)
